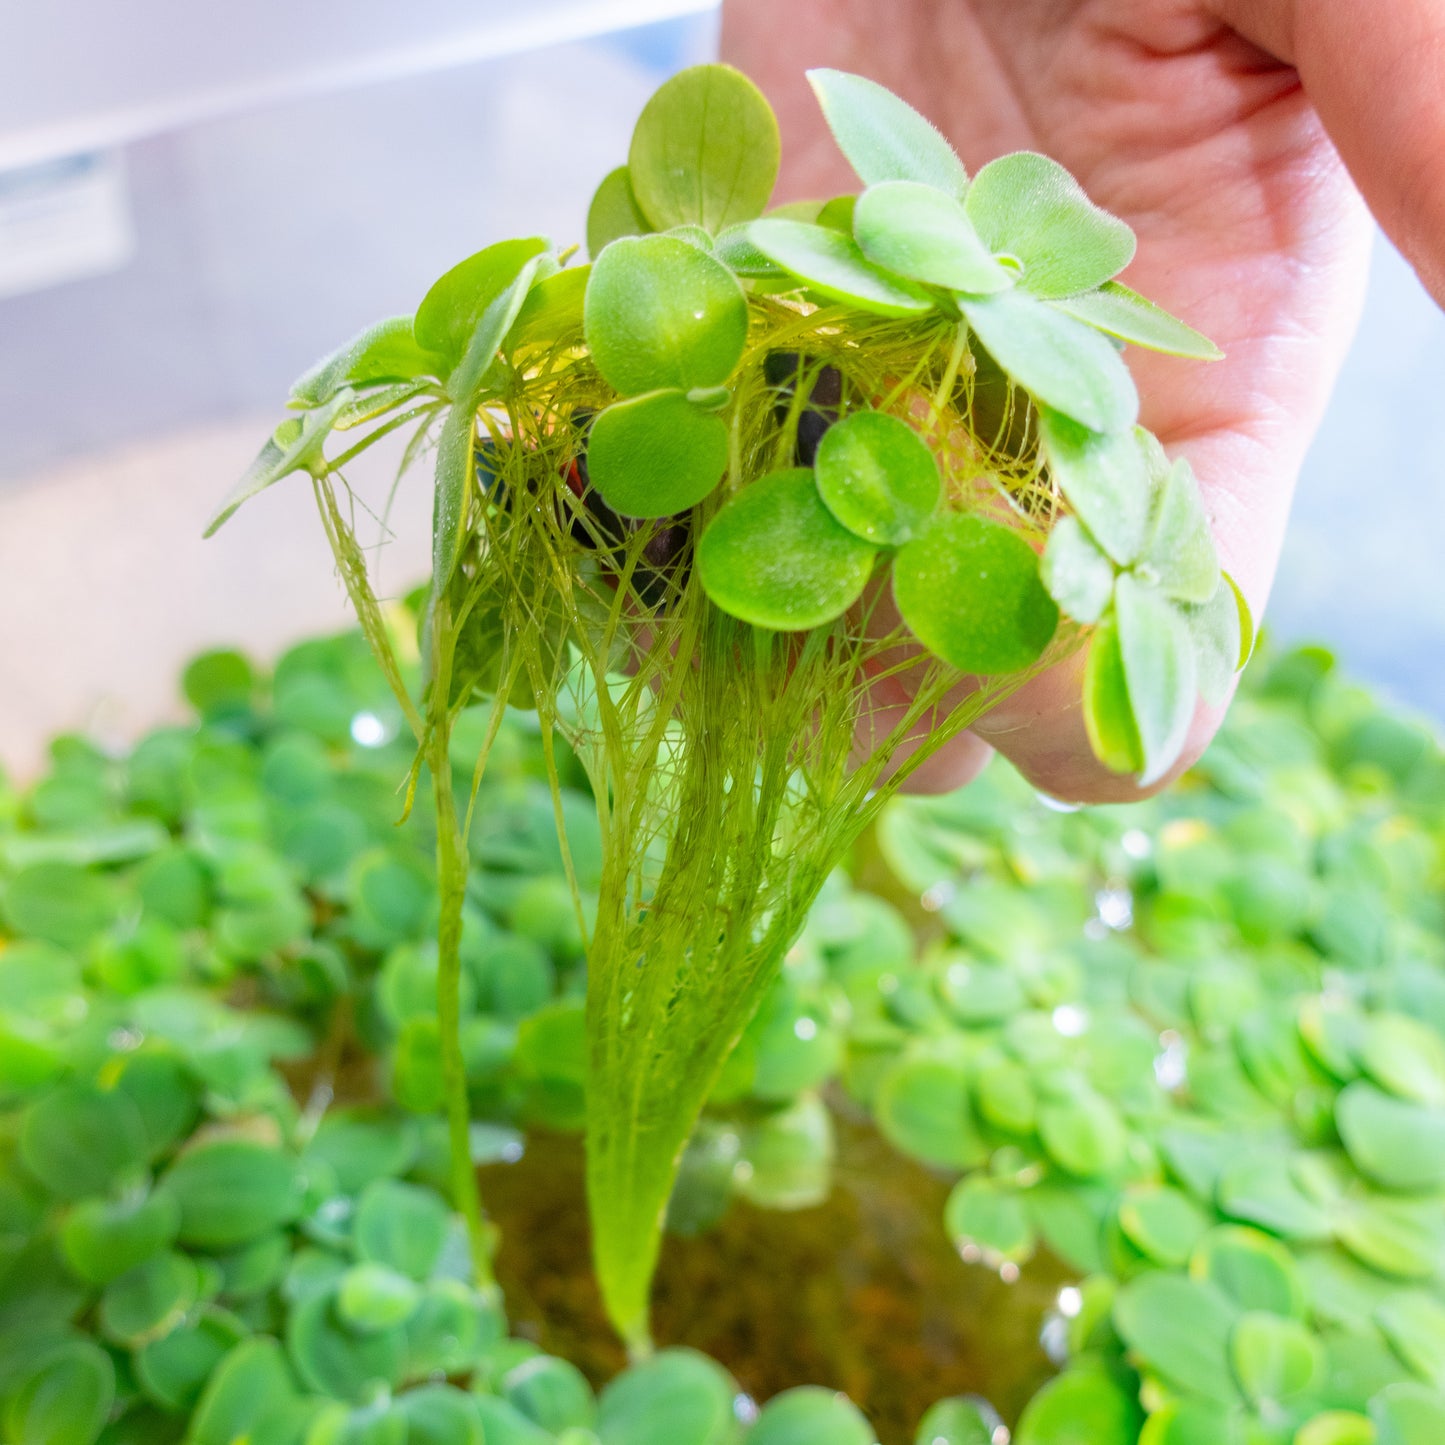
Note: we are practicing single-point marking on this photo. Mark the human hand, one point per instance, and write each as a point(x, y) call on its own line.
point(1223, 157)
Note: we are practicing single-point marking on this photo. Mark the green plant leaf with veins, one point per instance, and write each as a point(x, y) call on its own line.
point(883, 137)
point(878, 477)
point(919, 232)
point(833, 265)
point(656, 455)
point(452, 309)
point(661, 314)
point(776, 557)
point(1059, 361)
point(1028, 206)
point(705, 151)
point(969, 589)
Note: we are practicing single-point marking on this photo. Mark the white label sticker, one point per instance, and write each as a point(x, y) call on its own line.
point(62, 220)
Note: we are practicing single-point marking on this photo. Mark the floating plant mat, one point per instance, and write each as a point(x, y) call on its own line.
point(697, 501)
point(1194, 1048)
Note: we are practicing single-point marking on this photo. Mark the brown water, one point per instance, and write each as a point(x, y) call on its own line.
point(863, 1293)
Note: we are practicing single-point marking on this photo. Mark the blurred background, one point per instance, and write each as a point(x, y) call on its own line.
point(185, 227)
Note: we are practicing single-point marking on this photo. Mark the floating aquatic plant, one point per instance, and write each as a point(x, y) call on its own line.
point(700, 502)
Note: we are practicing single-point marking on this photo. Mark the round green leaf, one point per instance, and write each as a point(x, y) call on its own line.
point(251, 1382)
point(1179, 556)
point(660, 313)
point(1406, 1057)
point(1083, 1406)
point(66, 1401)
point(1395, 1142)
point(833, 265)
point(1262, 1189)
point(1029, 207)
point(1082, 1133)
point(1162, 1222)
point(173, 1370)
point(232, 1191)
point(552, 1392)
point(441, 1415)
point(218, 682)
point(1057, 360)
point(59, 903)
point(450, 1329)
point(789, 1157)
point(102, 1238)
point(678, 1397)
point(969, 589)
point(958, 1421)
point(1256, 1271)
point(1394, 1236)
point(775, 556)
point(917, 231)
point(1273, 1358)
point(336, 1360)
point(810, 1415)
point(922, 1108)
point(1336, 1427)
point(883, 137)
point(656, 455)
point(986, 1216)
point(150, 1300)
point(165, 1094)
point(1414, 1324)
point(375, 1297)
point(1180, 1329)
point(79, 1140)
point(451, 310)
point(402, 1226)
point(614, 212)
point(878, 477)
point(705, 150)
point(1408, 1414)
point(360, 1145)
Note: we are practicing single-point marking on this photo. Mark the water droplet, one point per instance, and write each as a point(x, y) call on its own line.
point(1070, 1301)
point(1137, 843)
point(1169, 1064)
point(806, 1029)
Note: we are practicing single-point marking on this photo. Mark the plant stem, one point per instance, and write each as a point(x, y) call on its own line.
point(452, 869)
